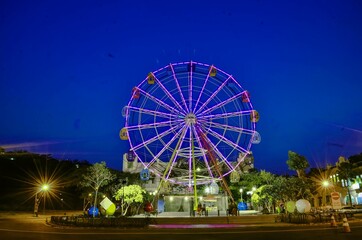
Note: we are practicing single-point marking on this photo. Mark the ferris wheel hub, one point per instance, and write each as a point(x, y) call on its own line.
point(190, 119)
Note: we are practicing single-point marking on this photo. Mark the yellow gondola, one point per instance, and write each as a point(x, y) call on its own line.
point(254, 116)
point(213, 71)
point(123, 134)
point(150, 78)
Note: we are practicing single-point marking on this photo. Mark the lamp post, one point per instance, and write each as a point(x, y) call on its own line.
point(44, 188)
point(325, 184)
point(124, 183)
point(241, 194)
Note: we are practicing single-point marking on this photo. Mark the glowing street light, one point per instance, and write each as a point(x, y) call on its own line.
point(325, 183)
point(241, 194)
point(43, 188)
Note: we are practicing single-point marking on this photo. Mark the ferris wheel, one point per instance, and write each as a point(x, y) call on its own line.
point(190, 123)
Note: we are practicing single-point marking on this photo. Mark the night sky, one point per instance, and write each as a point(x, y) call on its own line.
point(67, 69)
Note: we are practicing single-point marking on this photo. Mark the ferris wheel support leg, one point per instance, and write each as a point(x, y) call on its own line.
point(170, 162)
point(194, 171)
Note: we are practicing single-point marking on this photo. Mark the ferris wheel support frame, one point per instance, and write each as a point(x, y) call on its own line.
point(210, 152)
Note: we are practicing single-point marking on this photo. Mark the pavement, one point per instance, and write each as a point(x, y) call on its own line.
point(179, 220)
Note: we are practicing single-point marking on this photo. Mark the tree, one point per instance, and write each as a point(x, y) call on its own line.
point(130, 194)
point(263, 197)
point(265, 194)
point(346, 171)
point(298, 163)
point(296, 188)
point(356, 159)
point(96, 176)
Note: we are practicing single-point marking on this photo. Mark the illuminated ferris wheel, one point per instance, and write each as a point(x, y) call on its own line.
point(190, 123)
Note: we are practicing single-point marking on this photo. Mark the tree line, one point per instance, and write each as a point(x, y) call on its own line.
point(78, 184)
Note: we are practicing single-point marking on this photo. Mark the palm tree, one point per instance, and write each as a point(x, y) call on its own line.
point(298, 163)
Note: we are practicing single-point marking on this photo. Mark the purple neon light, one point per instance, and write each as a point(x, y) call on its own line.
point(203, 153)
point(190, 87)
point(176, 122)
point(165, 147)
point(150, 125)
point(223, 115)
point(156, 100)
point(222, 103)
point(213, 95)
point(217, 151)
point(169, 95)
point(155, 138)
point(231, 128)
point(227, 141)
point(190, 156)
point(179, 88)
point(187, 226)
point(151, 112)
point(202, 90)
point(174, 158)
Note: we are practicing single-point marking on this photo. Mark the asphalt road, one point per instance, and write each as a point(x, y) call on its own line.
point(18, 227)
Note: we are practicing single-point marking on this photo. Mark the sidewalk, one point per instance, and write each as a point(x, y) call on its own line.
point(245, 218)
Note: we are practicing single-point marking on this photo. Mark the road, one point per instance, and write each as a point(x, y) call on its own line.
point(36, 228)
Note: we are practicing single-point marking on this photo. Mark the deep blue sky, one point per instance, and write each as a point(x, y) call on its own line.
point(67, 69)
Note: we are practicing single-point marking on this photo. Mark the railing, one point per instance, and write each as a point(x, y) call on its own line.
point(101, 222)
point(311, 217)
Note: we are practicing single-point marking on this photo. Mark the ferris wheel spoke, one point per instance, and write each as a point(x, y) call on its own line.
point(191, 155)
point(165, 147)
point(174, 156)
point(178, 87)
point(220, 104)
point(225, 115)
point(158, 101)
point(216, 150)
point(152, 112)
point(213, 95)
point(202, 89)
point(155, 138)
point(190, 88)
point(153, 125)
point(227, 141)
point(231, 128)
point(169, 95)
point(203, 153)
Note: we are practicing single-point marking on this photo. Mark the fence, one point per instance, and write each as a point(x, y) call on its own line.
point(311, 217)
point(121, 222)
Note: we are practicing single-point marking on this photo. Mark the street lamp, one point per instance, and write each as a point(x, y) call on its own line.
point(124, 183)
point(325, 185)
point(241, 194)
point(43, 188)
